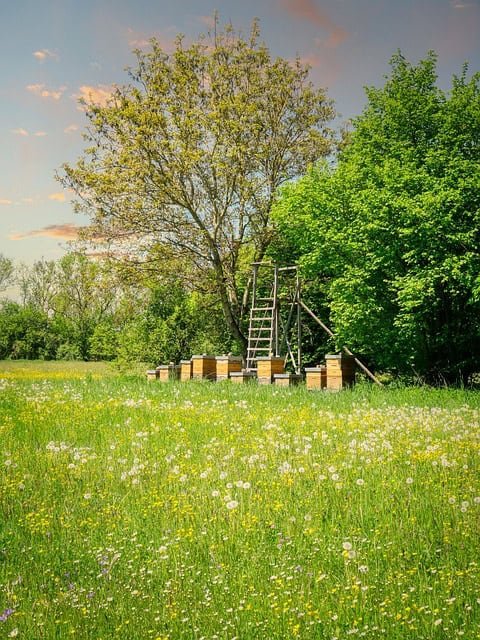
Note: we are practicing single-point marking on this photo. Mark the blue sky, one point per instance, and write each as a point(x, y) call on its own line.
point(55, 51)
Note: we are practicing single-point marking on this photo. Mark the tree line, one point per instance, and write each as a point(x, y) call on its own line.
point(79, 309)
point(218, 155)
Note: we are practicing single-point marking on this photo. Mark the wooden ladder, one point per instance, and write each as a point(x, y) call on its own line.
point(262, 329)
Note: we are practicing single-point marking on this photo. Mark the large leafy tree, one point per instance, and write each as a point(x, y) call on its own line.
point(184, 162)
point(392, 233)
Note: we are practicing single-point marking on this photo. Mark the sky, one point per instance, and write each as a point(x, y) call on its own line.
point(53, 52)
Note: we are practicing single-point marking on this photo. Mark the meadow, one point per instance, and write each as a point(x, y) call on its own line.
point(138, 511)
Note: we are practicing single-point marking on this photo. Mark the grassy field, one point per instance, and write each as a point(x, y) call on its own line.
point(138, 511)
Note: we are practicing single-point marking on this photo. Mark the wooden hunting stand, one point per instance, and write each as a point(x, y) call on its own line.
point(275, 317)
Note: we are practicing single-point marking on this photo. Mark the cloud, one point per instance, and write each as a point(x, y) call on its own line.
point(71, 128)
point(139, 40)
point(208, 21)
point(99, 95)
point(460, 4)
point(42, 92)
point(59, 197)
point(43, 54)
point(40, 134)
point(5, 202)
point(306, 10)
point(66, 231)
point(20, 132)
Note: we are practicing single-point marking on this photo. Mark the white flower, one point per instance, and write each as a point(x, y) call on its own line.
point(347, 546)
point(409, 480)
point(215, 493)
point(246, 485)
point(363, 568)
point(360, 482)
point(87, 496)
point(238, 484)
point(232, 504)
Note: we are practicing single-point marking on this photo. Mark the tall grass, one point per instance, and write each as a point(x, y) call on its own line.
point(144, 510)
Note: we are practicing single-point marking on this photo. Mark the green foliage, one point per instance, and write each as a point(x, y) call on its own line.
point(392, 234)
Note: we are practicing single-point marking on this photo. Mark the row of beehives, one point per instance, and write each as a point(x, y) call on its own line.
point(337, 373)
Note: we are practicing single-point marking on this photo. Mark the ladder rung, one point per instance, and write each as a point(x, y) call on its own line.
point(260, 329)
point(262, 309)
point(265, 318)
point(258, 349)
point(258, 339)
point(265, 299)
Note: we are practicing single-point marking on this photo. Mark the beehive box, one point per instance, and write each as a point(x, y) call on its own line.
point(286, 379)
point(204, 367)
point(168, 372)
point(227, 365)
point(242, 377)
point(152, 374)
point(267, 367)
point(340, 371)
point(316, 377)
point(185, 370)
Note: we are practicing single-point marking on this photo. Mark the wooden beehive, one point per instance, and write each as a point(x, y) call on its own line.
point(204, 367)
point(168, 372)
point(152, 374)
point(267, 367)
point(242, 377)
point(286, 379)
point(316, 377)
point(227, 365)
point(185, 370)
point(340, 371)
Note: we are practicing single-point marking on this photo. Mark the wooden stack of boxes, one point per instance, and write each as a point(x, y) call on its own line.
point(168, 372)
point(242, 377)
point(227, 365)
point(340, 371)
point(316, 377)
point(153, 374)
point(267, 367)
point(286, 379)
point(204, 367)
point(185, 370)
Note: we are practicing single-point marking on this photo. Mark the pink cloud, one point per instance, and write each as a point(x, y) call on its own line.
point(71, 128)
point(59, 197)
point(308, 11)
point(40, 134)
point(66, 231)
point(20, 132)
point(99, 95)
point(41, 91)
point(208, 21)
point(43, 54)
point(5, 202)
point(139, 40)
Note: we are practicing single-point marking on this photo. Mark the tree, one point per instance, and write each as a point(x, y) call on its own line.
point(393, 231)
point(184, 162)
point(6, 272)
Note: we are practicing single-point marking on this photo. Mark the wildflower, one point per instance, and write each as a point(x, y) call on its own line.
point(215, 493)
point(363, 568)
point(87, 496)
point(13, 633)
point(6, 614)
point(360, 482)
point(232, 504)
point(347, 546)
point(409, 480)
